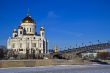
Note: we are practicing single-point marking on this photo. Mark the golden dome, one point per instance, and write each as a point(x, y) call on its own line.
point(41, 29)
point(14, 31)
point(20, 27)
point(28, 19)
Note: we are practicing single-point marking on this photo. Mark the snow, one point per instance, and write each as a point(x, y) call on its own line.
point(59, 69)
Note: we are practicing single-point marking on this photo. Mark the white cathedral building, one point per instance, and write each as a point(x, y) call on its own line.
point(26, 38)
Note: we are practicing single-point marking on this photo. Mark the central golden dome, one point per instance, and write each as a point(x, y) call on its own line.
point(28, 19)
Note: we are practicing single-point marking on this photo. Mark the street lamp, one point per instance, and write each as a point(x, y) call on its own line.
point(76, 45)
point(98, 41)
point(82, 44)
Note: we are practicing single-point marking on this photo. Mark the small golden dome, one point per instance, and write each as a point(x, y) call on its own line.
point(28, 19)
point(20, 27)
point(41, 29)
point(14, 31)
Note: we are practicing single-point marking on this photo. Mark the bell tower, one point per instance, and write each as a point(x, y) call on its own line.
point(42, 32)
point(20, 31)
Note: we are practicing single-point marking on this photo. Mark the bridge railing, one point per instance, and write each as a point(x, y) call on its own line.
point(88, 48)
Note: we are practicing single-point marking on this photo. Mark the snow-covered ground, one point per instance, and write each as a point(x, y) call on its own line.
point(60, 69)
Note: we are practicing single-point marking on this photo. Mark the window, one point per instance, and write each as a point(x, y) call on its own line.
point(34, 38)
point(33, 44)
point(20, 49)
point(42, 34)
point(20, 45)
point(20, 32)
point(27, 45)
point(39, 51)
point(40, 44)
point(13, 45)
point(30, 29)
point(33, 30)
point(27, 29)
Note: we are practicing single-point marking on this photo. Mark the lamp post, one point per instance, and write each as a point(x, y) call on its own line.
point(82, 44)
point(65, 47)
point(98, 42)
point(90, 43)
point(70, 46)
point(76, 45)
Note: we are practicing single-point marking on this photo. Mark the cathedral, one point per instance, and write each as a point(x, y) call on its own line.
point(25, 38)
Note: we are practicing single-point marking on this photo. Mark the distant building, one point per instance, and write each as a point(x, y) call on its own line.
point(89, 55)
point(56, 49)
point(101, 51)
point(93, 54)
point(27, 39)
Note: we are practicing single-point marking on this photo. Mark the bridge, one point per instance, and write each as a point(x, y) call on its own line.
point(71, 53)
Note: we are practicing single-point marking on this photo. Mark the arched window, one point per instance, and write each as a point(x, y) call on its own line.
point(34, 38)
point(20, 32)
point(30, 29)
point(13, 45)
point(27, 29)
point(33, 44)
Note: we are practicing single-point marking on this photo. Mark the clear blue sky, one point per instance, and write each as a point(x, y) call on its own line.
point(67, 22)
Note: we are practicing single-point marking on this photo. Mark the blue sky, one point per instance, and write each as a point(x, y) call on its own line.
point(67, 22)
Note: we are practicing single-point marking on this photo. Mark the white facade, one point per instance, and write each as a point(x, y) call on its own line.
point(26, 38)
point(94, 55)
